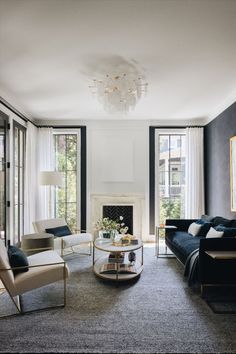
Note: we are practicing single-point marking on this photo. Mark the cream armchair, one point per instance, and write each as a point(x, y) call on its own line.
point(67, 241)
point(44, 268)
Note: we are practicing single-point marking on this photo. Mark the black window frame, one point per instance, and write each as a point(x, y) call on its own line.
point(21, 182)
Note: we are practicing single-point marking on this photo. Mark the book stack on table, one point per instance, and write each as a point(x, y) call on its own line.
point(118, 268)
point(116, 257)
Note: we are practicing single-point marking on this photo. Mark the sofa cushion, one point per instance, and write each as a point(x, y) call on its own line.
point(217, 220)
point(206, 225)
point(194, 229)
point(59, 231)
point(212, 233)
point(233, 223)
point(206, 218)
point(228, 231)
point(182, 244)
point(17, 258)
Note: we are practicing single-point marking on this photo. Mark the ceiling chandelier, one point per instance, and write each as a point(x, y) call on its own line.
point(119, 93)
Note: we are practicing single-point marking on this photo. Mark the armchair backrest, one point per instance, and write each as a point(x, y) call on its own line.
point(6, 276)
point(41, 225)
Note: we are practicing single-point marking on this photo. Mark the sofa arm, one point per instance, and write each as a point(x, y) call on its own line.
point(216, 271)
point(181, 224)
point(217, 244)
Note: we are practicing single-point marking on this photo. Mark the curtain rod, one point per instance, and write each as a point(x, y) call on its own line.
point(61, 126)
point(175, 127)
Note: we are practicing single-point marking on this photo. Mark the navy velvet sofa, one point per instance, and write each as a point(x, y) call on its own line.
point(207, 270)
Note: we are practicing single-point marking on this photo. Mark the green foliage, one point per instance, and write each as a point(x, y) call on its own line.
point(66, 162)
point(170, 209)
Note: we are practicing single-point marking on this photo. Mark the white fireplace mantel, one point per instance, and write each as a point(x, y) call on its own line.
point(136, 200)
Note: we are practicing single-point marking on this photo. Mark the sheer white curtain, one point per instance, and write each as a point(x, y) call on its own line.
point(45, 153)
point(31, 168)
point(194, 201)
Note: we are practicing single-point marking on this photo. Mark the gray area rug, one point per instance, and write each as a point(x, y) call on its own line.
point(158, 313)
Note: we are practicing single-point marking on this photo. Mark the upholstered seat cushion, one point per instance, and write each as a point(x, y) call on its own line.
point(68, 240)
point(42, 275)
point(76, 239)
point(183, 244)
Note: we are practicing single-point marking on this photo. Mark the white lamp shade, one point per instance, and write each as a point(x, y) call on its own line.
point(50, 178)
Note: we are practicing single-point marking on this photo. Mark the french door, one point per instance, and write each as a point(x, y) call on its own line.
point(4, 176)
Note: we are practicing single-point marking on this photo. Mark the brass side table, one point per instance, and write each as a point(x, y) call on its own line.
point(34, 243)
point(157, 234)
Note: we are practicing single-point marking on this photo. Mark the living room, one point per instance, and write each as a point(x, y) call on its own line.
point(63, 66)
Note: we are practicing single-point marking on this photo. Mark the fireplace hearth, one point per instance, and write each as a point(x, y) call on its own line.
point(134, 210)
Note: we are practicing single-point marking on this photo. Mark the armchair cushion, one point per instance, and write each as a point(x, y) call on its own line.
point(59, 231)
point(47, 267)
point(76, 239)
point(17, 258)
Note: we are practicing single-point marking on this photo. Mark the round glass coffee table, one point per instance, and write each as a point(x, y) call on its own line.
point(113, 263)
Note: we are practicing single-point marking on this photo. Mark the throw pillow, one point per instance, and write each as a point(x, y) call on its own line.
point(194, 229)
point(59, 231)
point(228, 231)
point(17, 258)
point(214, 233)
point(233, 223)
point(206, 217)
point(206, 225)
point(219, 220)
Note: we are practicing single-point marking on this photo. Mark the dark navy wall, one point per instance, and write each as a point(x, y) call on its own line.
point(217, 163)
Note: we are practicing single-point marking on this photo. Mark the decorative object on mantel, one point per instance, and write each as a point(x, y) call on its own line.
point(119, 91)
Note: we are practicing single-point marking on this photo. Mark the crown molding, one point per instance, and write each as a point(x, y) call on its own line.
point(221, 108)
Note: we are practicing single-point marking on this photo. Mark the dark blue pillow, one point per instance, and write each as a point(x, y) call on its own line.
point(207, 218)
point(233, 223)
point(206, 225)
point(228, 231)
point(218, 220)
point(59, 231)
point(17, 258)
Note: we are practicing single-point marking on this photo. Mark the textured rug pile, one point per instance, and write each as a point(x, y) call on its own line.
point(158, 313)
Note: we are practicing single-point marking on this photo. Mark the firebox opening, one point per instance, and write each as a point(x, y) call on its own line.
point(115, 211)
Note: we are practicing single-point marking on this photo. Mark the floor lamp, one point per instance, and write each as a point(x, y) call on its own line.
point(50, 179)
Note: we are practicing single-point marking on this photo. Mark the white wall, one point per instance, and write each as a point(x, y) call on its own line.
point(118, 161)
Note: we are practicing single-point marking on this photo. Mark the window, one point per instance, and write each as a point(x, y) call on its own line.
point(67, 161)
point(4, 135)
point(170, 175)
point(19, 164)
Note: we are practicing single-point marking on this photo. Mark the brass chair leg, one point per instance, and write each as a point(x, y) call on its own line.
point(64, 273)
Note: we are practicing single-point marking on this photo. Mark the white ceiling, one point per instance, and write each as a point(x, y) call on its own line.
point(50, 50)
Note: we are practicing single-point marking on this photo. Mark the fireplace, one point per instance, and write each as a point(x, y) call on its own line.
point(135, 210)
point(115, 211)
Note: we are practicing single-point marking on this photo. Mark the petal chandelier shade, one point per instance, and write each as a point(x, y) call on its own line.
point(119, 92)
